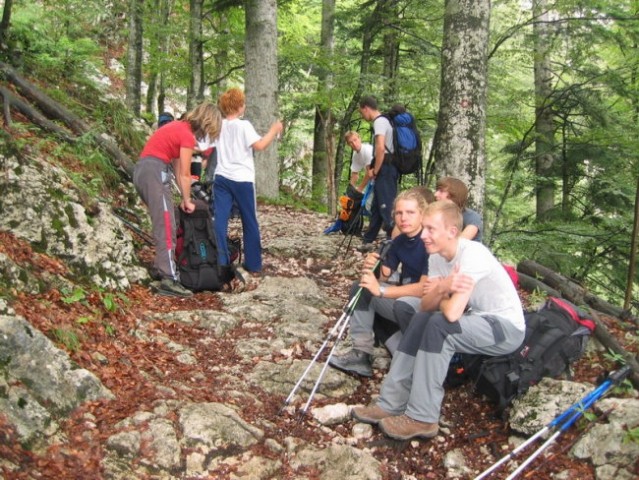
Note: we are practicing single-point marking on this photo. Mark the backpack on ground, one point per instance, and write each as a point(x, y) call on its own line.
point(196, 250)
point(556, 336)
point(350, 205)
point(407, 143)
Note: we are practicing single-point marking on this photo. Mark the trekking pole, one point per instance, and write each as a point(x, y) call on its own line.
point(338, 329)
point(563, 421)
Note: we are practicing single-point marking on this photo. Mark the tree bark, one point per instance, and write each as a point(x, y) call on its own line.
point(544, 125)
point(323, 186)
point(260, 49)
point(195, 92)
point(460, 147)
point(5, 23)
point(572, 291)
point(134, 57)
point(54, 110)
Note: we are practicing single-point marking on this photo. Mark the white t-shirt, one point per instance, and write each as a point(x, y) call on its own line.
point(234, 152)
point(362, 159)
point(494, 292)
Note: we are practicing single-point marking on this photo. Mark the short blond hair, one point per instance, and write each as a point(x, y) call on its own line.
point(412, 194)
point(350, 134)
point(451, 213)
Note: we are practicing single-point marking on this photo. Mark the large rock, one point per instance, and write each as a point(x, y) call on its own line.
point(613, 453)
point(40, 204)
point(39, 383)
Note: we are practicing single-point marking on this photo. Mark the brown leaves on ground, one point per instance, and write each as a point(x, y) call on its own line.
point(132, 369)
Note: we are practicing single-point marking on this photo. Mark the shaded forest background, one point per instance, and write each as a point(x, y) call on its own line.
point(551, 95)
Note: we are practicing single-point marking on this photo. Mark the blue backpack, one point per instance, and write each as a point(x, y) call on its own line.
point(407, 143)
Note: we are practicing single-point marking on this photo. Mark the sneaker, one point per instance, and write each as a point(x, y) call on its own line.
point(371, 414)
point(355, 361)
point(403, 427)
point(172, 288)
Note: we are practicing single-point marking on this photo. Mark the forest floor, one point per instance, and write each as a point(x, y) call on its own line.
point(471, 420)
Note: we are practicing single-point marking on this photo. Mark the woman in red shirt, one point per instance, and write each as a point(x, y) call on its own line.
point(167, 155)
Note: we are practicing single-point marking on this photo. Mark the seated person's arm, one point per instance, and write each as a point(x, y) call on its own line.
point(461, 287)
point(470, 231)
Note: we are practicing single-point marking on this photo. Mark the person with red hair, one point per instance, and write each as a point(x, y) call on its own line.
point(235, 178)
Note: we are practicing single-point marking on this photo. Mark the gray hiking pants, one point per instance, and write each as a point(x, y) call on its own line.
point(363, 318)
point(152, 180)
point(415, 383)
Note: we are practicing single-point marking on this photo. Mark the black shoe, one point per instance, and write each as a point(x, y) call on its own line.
point(173, 288)
point(354, 361)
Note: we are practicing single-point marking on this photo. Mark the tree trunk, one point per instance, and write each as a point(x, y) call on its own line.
point(544, 124)
point(260, 50)
point(370, 30)
point(391, 57)
point(323, 186)
point(632, 261)
point(460, 148)
point(5, 23)
point(195, 92)
point(134, 57)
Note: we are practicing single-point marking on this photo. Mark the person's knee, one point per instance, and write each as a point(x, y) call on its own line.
point(403, 313)
point(436, 331)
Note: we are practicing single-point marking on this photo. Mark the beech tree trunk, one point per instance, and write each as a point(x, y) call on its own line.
point(260, 49)
point(544, 125)
point(195, 92)
point(5, 23)
point(323, 186)
point(134, 57)
point(460, 149)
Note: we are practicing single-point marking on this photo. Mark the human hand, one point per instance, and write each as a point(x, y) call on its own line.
point(371, 261)
point(187, 206)
point(460, 282)
point(369, 282)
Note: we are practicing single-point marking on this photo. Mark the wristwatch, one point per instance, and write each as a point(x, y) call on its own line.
point(382, 291)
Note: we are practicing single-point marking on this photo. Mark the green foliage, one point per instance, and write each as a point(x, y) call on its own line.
point(77, 295)
point(68, 338)
point(631, 436)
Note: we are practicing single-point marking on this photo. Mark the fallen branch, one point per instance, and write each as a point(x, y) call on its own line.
point(572, 291)
point(607, 340)
point(10, 100)
point(53, 109)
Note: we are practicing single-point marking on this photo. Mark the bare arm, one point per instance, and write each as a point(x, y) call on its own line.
point(470, 232)
point(266, 140)
point(380, 150)
point(450, 295)
point(182, 169)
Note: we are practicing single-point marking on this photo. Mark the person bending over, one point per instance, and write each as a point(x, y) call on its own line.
point(449, 188)
point(383, 298)
point(168, 153)
point(470, 306)
point(361, 159)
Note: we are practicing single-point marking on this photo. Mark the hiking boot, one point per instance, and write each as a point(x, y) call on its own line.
point(371, 414)
point(172, 288)
point(355, 361)
point(403, 427)
point(366, 247)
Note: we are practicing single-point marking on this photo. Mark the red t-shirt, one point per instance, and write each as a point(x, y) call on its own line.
point(166, 141)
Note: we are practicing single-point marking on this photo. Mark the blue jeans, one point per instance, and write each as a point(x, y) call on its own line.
point(384, 193)
point(225, 192)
